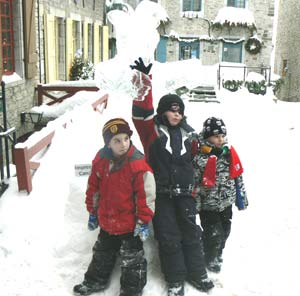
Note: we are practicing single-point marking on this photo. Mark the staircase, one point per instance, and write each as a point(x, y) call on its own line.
point(203, 93)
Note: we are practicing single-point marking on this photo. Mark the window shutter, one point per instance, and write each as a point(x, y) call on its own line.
point(85, 41)
point(96, 44)
point(30, 39)
point(50, 48)
point(69, 46)
point(1, 66)
point(105, 43)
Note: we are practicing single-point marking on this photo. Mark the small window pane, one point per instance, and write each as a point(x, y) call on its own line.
point(236, 3)
point(232, 52)
point(6, 27)
point(191, 5)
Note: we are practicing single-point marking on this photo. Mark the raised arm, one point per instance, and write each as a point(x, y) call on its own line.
point(143, 110)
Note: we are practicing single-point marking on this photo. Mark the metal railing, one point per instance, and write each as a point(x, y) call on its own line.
point(7, 142)
point(264, 70)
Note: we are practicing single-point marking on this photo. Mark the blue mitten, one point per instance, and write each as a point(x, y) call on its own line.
point(93, 222)
point(142, 230)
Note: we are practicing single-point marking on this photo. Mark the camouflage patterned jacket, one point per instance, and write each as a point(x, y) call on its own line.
point(223, 192)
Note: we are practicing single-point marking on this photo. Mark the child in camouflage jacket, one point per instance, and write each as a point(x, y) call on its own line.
point(218, 172)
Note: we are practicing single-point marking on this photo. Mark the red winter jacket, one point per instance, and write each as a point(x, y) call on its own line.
point(121, 192)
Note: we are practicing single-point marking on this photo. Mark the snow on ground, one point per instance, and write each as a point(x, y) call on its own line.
point(45, 246)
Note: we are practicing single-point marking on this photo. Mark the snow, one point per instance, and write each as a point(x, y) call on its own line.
point(235, 16)
point(45, 246)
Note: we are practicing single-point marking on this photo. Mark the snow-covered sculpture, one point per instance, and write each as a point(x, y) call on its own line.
point(136, 36)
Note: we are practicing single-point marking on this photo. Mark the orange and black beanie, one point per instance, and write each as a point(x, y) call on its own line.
point(114, 127)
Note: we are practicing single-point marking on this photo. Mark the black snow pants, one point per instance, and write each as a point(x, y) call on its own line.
point(216, 230)
point(133, 264)
point(179, 238)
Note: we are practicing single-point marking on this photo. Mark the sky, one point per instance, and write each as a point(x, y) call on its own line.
point(45, 246)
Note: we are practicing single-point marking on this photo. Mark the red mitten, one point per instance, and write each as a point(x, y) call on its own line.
point(235, 167)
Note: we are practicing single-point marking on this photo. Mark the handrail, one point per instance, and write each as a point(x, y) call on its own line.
point(68, 89)
point(23, 152)
point(8, 136)
point(266, 70)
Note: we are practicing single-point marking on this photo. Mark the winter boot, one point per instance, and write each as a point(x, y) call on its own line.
point(202, 284)
point(129, 293)
point(215, 265)
point(176, 289)
point(87, 288)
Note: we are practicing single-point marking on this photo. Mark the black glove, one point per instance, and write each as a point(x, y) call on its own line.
point(140, 66)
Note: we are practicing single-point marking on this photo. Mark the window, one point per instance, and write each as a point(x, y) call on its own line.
point(188, 50)
point(191, 5)
point(76, 37)
point(7, 36)
point(236, 3)
point(90, 42)
point(284, 68)
point(232, 52)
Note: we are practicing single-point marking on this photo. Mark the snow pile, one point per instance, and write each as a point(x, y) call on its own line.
point(234, 16)
point(45, 246)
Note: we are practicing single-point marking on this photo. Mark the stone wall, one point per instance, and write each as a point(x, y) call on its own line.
point(21, 95)
point(287, 55)
point(210, 52)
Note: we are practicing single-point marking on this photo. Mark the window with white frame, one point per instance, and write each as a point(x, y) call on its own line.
point(236, 3)
point(191, 5)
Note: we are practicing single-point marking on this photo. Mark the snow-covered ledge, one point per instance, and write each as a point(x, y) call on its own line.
point(191, 14)
point(234, 16)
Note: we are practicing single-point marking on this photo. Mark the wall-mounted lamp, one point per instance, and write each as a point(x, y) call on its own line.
point(32, 117)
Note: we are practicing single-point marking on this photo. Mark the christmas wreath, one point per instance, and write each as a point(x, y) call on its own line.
point(253, 45)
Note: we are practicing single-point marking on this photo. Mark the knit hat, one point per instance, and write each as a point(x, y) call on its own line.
point(170, 102)
point(114, 127)
point(213, 126)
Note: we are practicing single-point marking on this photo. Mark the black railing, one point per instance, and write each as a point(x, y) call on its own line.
point(7, 142)
point(264, 70)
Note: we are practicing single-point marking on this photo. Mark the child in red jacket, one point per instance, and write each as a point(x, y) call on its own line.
point(120, 195)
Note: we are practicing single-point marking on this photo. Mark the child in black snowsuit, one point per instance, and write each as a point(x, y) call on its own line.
point(166, 142)
point(120, 195)
point(218, 173)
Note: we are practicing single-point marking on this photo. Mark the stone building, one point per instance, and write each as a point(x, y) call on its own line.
point(38, 43)
point(216, 31)
point(40, 38)
point(287, 57)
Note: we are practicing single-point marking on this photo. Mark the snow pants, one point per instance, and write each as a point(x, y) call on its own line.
point(216, 230)
point(133, 264)
point(179, 238)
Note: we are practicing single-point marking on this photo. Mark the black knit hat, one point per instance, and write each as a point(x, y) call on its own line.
point(167, 102)
point(114, 127)
point(213, 126)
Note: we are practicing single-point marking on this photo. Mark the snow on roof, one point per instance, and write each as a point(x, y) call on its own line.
point(235, 16)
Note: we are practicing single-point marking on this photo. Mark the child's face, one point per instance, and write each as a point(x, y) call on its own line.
point(217, 140)
point(174, 117)
point(119, 144)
